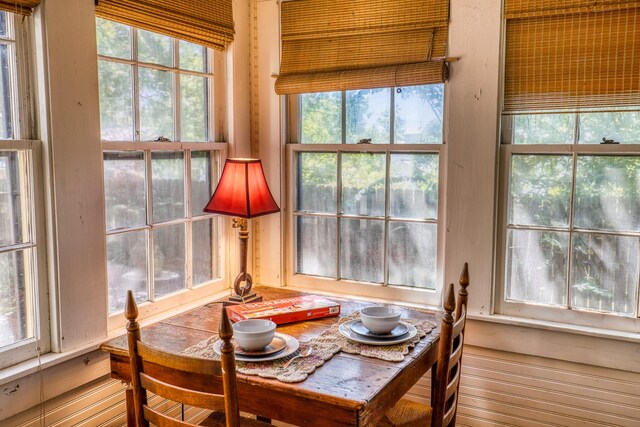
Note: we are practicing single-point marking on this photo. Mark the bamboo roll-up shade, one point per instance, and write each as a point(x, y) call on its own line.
point(359, 44)
point(530, 8)
point(569, 61)
point(205, 22)
point(21, 7)
point(395, 75)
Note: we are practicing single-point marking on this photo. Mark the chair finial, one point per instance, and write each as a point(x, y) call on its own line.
point(225, 329)
point(450, 300)
point(463, 295)
point(130, 308)
point(464, 276)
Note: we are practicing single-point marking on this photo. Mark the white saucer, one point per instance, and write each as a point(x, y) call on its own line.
point(400, 330)
point(345, 329)
point(292, 345)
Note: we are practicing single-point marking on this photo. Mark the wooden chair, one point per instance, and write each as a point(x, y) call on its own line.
point(147, 361)
point(446, 381)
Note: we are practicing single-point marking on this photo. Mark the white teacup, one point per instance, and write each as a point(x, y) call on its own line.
point(254, 334)
point(380, 319)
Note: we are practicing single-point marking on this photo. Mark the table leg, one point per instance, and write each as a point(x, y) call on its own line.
point(131, 415)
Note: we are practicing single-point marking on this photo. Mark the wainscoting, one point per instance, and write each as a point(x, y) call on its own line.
point(507, 389)
point(497, 389)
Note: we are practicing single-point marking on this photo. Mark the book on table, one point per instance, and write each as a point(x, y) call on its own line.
point(286, 310)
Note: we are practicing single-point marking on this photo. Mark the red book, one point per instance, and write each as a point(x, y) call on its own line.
point(286, 310)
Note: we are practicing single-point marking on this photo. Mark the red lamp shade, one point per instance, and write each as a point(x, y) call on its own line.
point(242, 191)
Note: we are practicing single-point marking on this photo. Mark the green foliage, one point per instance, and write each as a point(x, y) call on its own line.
point(192, 56)
point(540, 190)
point(113, 39)
point(321, 118)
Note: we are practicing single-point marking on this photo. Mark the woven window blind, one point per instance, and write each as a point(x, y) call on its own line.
point(206, 22)
point(21, 7)
point(332, 45)
point(571, 54)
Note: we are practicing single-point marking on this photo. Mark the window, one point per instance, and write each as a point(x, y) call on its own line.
point(571, 237)
point(160, 164)
point(23, 303)
point(570, 156)
point(365, 169)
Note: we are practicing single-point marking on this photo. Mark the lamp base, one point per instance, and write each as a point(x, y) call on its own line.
point(237, 299)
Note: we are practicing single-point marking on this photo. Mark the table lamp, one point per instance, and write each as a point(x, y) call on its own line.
point(243, 193)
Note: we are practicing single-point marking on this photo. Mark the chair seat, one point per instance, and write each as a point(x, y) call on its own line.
point(407, 413)
point(218, 419)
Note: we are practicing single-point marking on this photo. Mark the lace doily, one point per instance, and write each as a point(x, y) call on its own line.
point(323, 347)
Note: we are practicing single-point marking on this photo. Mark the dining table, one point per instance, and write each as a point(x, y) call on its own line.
point(345, 390)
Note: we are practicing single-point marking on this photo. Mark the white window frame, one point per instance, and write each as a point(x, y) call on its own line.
point(215, 66)
point(405, 294)
point(20, 33)
point(540, 312)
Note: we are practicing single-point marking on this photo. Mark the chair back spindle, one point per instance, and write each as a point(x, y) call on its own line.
point(444, 352)
point(463, 297)
point(228, 360)
point(133, 337)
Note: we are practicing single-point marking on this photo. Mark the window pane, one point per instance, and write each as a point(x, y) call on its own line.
point(621, 126)
point(167, 169)
point(116, 101)
point(113, 39)
point(540, 190)
point(368, 115)
point(414, 186)
point(537, 266)
point(321, 118)
point(544, 128)
point(169, 260)
point(317, 182)
point(6, 101)
point(14, 221)
point(16, 311)
point(127, 268)
point(156, 104)
point(418, 114)
point(363, 183)
point(605, 273)
point(192, 56)
point(4, 28)
point(362, 250)
point(205, 261)
point(201, 190)
point(193, 108)
point(125, 189)
point(316, 246)
point(608, 193)
point(412, 254)
point(155, 48)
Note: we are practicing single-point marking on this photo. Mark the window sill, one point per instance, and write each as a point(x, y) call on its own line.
point(45, 361)
point(553, 340)
point(558, 327)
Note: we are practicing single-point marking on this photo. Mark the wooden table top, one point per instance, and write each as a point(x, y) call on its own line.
point(348, 389)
